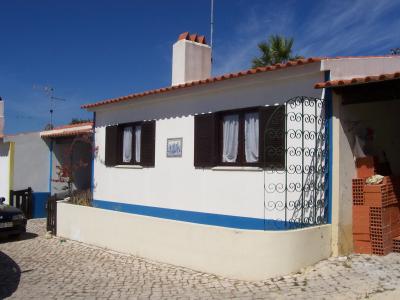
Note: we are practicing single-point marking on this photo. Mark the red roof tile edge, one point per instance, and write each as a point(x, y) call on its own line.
point(68, 133)
point(72, 125)
point(292, 63)
point(358, 80)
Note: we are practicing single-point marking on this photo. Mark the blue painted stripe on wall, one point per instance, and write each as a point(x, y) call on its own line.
point(39, 204)
point(194, 217)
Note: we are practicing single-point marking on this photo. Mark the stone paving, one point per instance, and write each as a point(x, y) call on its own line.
point(34, 267)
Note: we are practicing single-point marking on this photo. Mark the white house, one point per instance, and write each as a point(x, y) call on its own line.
point(233, 175)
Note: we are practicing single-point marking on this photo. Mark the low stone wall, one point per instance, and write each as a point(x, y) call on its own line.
point(239, 254)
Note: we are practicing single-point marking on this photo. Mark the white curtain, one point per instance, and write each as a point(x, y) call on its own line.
point(138, 134)
point(251, 136)
point(230, 138)
point(127, 145)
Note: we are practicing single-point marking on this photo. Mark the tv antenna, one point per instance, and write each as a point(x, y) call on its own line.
point(212, 28)
point(49, 91)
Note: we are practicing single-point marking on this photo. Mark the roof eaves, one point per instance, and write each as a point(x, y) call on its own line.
point(356, 81)
point(288, 64)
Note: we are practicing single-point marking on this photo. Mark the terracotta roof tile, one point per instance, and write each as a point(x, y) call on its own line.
point(192, 37)
point(201, 39)
point(358, 80)
point(205, 81)
point(183, 36)
point(65, 134)
point(73, 125)
point(68, 130)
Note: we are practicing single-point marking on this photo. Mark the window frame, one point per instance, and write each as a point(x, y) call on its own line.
point(121, 128)
point(241, 156)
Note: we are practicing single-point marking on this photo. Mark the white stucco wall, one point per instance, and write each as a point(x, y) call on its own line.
point(382, 118)
point(346, 68)
point(4, 170)
point(240, 254)
point(190, 61)
point(174, 182)
point(31, 162)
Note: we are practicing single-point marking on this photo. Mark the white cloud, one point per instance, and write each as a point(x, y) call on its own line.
point(330, 28)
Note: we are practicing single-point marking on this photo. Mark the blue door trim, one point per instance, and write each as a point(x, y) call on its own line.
point(329, 158)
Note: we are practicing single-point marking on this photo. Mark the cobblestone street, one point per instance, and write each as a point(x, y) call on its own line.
point(38, 268)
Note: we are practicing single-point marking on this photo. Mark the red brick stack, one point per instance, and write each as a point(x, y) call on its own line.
point(396, 244)
point(376, 215)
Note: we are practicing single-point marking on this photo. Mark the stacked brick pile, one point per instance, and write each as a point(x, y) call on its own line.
point(376, 214)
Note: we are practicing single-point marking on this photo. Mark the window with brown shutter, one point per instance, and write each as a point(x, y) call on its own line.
point(241, 148)
point(206, 140)
point(111, 157)
point(131, 144)
point(129, 133)
point(231, 137)
point(148, 143)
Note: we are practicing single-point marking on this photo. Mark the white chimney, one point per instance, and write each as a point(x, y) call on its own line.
point(1, 117)
point(191, 59)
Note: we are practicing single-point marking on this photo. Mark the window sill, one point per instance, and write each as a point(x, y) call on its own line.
point(128, 167)
point(237, 168)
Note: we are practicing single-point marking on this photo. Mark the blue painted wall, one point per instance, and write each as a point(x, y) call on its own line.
point(39, 204)
point(196, 217)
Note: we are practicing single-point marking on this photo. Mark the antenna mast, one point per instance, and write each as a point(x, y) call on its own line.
point(212, 27)
point(49, 91)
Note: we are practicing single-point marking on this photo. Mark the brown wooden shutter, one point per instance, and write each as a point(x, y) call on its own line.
point(111, 157)
point(206, 140)
point(272, 137)
point(148, 144)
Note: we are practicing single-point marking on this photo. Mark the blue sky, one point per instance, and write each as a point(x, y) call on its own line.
point(92, 50)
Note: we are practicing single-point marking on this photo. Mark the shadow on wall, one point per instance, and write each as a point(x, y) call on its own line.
point(79, 156)
point(10, 275)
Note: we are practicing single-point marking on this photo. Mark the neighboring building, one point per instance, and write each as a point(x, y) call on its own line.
point(67, 146)
point(5, 162)
point(32, 160)
point(366, 102)
point(214, 173)
point(30, 167)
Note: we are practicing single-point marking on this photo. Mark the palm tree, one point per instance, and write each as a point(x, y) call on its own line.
point(278, 49)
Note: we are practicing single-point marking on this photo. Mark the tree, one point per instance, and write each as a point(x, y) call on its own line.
point(395, 51)
point(277, 49)
point(78, 121)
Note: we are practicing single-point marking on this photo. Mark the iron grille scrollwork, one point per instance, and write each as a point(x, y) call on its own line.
point(295, 194)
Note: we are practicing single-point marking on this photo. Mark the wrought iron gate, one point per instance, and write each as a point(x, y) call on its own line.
point(51, 206)
point(296, 192)
point(22, 199)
